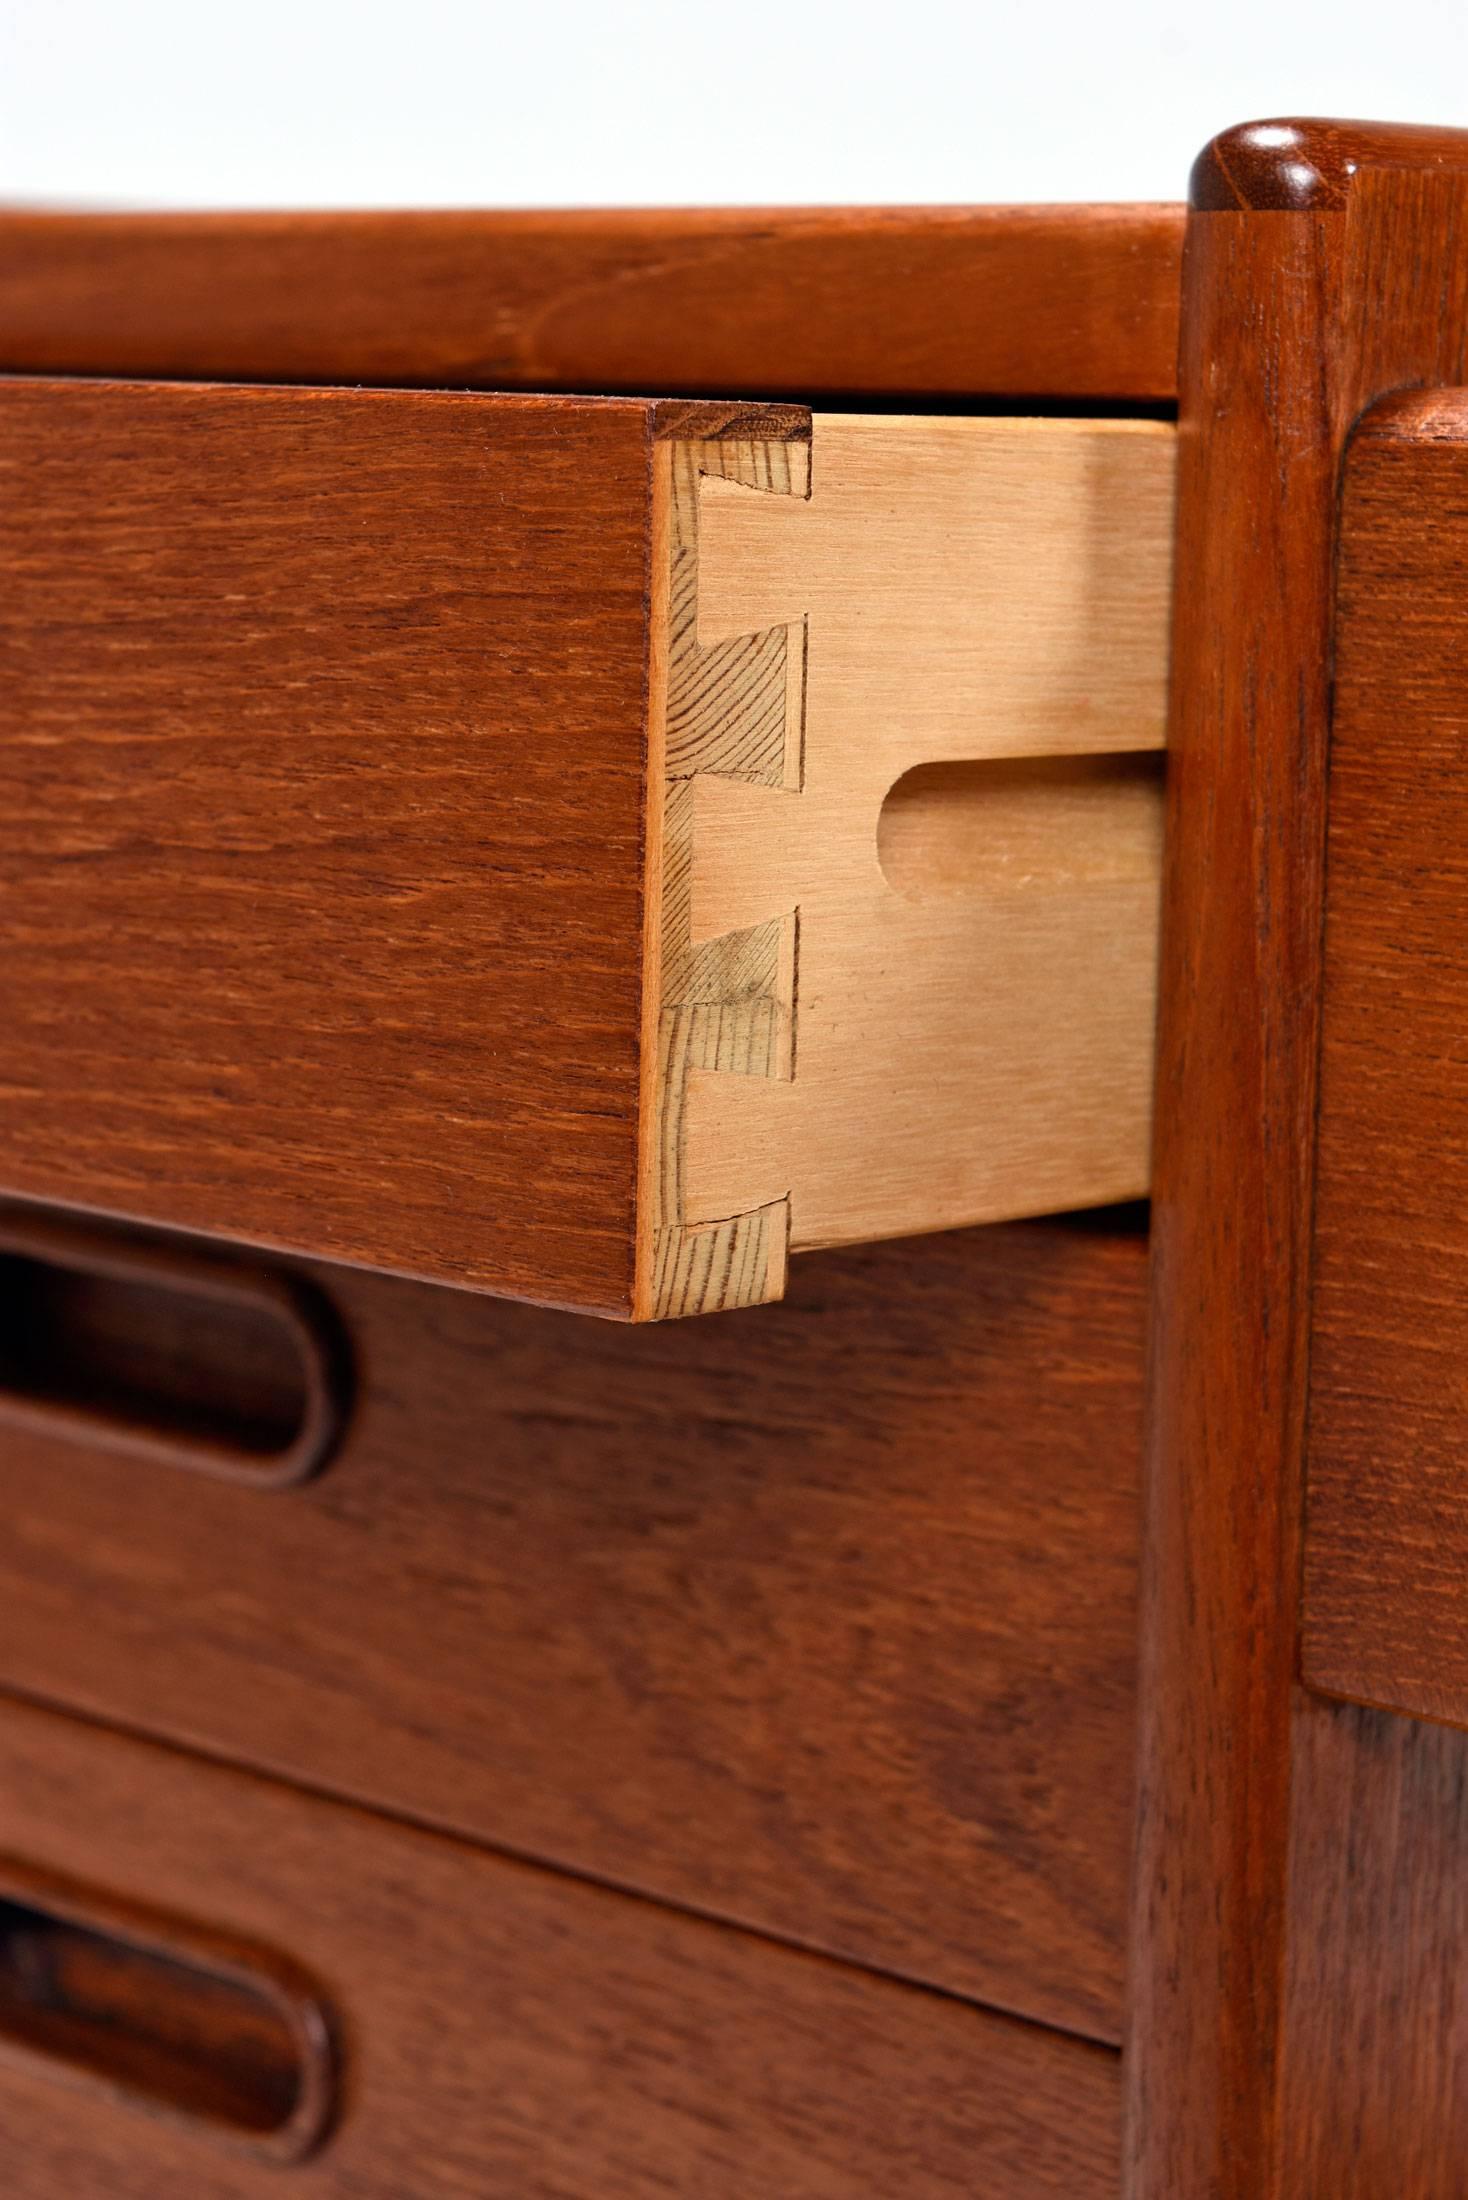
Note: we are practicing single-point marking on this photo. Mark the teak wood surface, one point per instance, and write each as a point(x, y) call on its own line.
point(1067, 303)
point(187, 2023)
point(821, 1618)
point(849, 1048)
point(503, 2030)
point(323, 760)
point(423, 864)
point(1297, 2023)
point(1387, 1509)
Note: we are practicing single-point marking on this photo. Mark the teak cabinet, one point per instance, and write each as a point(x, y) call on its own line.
point(788, 768)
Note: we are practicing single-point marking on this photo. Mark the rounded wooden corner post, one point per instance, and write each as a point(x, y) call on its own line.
point(1296, 2025)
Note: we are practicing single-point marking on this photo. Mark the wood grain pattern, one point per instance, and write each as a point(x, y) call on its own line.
point(972, 590)
point(1375, 2075)
point(1065, 302)
point(1387, 1542)
point(325, 742)
point(726, 711)
point(324, 751)
point(505, 2031)
point(1293, 2025)
point(376, 902)
point(1310, 166)
point(820, 1617)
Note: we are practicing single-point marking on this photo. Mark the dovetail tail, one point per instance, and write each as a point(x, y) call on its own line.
point(734, 709)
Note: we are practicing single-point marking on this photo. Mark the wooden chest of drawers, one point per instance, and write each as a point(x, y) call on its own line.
point(612, 765)
point(640, 1604)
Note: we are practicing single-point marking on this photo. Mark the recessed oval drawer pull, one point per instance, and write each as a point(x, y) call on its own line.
point(143, 1348)
point(166, 2018)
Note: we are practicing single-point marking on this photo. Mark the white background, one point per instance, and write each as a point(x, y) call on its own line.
point(439, 102)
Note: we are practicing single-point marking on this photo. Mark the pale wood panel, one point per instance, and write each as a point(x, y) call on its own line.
point(969, 1030)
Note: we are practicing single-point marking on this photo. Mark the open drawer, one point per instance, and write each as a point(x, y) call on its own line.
point(579, 849)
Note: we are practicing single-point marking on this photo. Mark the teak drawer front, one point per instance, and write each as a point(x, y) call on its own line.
point(821, 1618)
point(484, 2028)
point(323, 756)
point(581, 849)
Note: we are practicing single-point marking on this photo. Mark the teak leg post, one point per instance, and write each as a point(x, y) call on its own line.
point(1298, 2029)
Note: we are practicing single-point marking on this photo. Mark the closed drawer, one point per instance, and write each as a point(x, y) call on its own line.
point(821, 1619)
point(580, 849)
point(457, 2025)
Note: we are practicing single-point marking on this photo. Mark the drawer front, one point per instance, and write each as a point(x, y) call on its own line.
point(820, 1619)
point(581, 849)
point(323, 746)
point(474, 2026)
